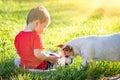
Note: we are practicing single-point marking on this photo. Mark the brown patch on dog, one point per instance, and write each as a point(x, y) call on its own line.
point(67, 48)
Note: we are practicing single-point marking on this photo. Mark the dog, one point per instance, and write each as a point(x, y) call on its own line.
point(93, 48)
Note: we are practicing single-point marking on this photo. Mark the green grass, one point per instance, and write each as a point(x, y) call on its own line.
point(70, 19)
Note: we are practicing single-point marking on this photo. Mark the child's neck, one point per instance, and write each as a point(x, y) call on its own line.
point(29, 28)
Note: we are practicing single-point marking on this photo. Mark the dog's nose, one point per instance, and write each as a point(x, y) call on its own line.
point(66, 63)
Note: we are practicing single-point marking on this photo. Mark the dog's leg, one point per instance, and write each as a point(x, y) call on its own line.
point(84, 63)
point(87, 56)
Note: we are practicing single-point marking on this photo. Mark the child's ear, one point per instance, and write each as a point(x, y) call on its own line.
point(37, 22)
point(60, 45)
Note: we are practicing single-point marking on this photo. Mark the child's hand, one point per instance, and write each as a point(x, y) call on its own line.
point(53, 59)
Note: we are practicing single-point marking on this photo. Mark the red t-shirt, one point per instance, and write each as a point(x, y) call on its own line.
point(25, 43)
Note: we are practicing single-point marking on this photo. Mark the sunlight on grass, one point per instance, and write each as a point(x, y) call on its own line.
point(70, 19)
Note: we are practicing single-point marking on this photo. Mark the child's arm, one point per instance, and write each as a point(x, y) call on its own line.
point(40, 54)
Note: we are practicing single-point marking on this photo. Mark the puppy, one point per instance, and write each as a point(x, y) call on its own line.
point(94, 48)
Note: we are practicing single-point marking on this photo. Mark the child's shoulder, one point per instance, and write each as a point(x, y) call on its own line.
point(28, 34)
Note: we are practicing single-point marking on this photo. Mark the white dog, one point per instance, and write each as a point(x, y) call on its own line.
point(94, 48)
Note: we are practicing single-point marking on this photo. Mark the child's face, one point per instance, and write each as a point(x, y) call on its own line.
point(40, 27)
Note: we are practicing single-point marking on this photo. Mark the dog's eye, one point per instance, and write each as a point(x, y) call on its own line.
point(66, 56)
point(65, 49)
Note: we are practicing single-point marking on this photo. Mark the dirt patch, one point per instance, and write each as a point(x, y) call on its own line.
point(116, 77)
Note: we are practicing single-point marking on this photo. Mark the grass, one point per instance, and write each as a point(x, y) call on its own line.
point(70, 19)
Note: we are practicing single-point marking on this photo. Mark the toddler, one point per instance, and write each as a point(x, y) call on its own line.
point(29, 44)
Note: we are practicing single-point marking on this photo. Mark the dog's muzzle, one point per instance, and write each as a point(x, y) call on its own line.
point(69, 63)
point(71, 60)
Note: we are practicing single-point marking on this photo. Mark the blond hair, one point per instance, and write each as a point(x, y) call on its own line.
point(38, 13)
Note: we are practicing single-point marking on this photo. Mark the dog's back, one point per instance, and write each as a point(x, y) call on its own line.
point(101, 47)
point(108, 47)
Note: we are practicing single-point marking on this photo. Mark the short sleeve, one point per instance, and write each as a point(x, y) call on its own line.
point(38, 43)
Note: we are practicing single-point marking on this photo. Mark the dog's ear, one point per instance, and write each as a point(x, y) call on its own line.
point(67, 48)
point(60, 45)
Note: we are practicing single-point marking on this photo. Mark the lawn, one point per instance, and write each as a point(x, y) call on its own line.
point(69, 19)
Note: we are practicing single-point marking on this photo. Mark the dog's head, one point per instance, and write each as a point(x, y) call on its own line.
point(68, 52)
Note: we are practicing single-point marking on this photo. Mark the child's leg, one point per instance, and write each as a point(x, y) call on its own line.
point(46, 64)
point(50, 65)
point(17, 61)
point(42, 66)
